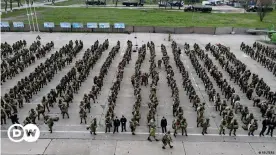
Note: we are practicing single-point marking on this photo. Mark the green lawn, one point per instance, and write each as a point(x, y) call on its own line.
point(146, 17)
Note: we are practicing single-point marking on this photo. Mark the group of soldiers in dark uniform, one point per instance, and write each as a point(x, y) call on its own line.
point(264, 55)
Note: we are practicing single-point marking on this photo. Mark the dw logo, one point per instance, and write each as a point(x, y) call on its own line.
point(29, 133)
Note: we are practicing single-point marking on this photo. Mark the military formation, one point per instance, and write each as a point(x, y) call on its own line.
point(263, 54)
point(222, 92)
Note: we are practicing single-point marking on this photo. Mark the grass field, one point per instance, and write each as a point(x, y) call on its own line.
point(143, 17)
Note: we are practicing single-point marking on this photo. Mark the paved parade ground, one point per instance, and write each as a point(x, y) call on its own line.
point(69, 137)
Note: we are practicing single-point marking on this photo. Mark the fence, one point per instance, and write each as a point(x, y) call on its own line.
point(131, 29)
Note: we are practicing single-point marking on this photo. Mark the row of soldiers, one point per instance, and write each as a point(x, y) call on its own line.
point(116, 87)
point(152, 105)
point(137, 79)
point(180, 122)
point(17, 94)
point(7, 49)
point(22, 59)
point(98, 81)
point(90, 60)
point(265, 50)
point(259, 57)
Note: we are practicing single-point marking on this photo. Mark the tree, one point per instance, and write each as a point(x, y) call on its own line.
point(262, 8)
point(6, 5)
point(116, 3)
point(11, 5)
point(179, 6)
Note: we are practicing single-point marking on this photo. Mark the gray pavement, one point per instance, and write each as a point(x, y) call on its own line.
point(70, 137)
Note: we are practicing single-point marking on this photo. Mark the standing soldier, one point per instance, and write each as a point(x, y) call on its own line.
point(159, 63)
point(93, 126)
point(271, 126)
point(167, 139)
point(152, 130)
point(50, 122)
point(108, 124)
point(132, 124)
point(222, 126)
point(183, 126)
point(205, 126)
point(32, 115)
point(252, 127)
point(3, 116)
point(265, 124)
point(64, 110)
point(82, 115)
point(233, 126)
point(40, 110)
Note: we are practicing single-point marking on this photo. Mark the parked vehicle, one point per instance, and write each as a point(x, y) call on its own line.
point(128, 3)
point(206, 9)
point(254, 8)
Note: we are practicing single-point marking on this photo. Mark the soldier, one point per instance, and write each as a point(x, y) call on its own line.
point(27, 121)
point(175, 126)
point(159, 63)
point(93, 126)
point(132, 124)
point(64, 110)
point(83, 115)
point(45, 103)
point(50, 122)
point(40, 110)
point(244, 113)
point(32, 115)
point(3, 116)
point(152, 126)
point(205, 126)
point(183, 126)
point(252, 127)
point(222, 126)
point(167, 139)
point(271, 125)
point(108, 124)
point(265, 124)
point(233, 126)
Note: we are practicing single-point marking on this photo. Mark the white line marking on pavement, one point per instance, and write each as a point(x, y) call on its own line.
point(142, 133)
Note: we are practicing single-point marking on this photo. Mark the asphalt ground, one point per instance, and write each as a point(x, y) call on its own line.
point(71, 137)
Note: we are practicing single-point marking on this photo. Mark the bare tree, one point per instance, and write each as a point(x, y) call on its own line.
point(116, 3)
point(6, 5)
point(179, 6)
point(11, 5)
point(263, 8)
